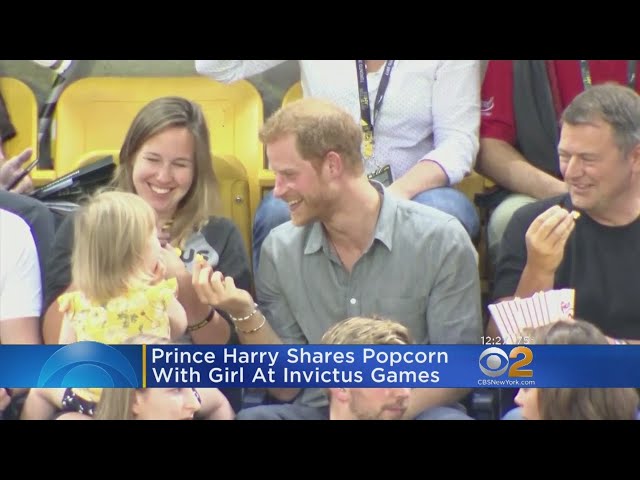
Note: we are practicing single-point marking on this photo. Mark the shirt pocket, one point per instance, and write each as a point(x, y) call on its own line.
point(409, 311)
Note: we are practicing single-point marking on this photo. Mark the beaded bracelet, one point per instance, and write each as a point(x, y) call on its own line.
point(244, 319)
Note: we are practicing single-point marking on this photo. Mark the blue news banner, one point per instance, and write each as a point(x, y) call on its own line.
point(91, 364)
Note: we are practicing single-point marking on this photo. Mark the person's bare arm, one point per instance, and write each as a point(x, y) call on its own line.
point(503, 164)
point(52, 321)
point(215, 405)
point(213, 289)
point(422, 176)
point(42, 403)
point(20, 331)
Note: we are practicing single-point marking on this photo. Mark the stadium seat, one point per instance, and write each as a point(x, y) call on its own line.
point(293, 93)
point(94, 113)
point(23, 109)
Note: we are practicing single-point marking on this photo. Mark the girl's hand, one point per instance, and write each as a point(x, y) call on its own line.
point(173, 264)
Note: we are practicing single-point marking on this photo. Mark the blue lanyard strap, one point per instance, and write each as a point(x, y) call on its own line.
point(365, 107)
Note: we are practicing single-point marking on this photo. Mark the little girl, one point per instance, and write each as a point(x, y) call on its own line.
point(119, 290)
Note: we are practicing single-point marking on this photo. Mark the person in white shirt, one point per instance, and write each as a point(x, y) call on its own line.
point(20, 282)
point(420, 123)
point(20, 288)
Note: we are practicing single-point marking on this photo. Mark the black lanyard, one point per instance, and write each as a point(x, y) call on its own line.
point(631, 74)
point(365, 107)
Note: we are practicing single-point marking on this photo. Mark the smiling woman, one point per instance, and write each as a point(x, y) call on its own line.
point(163, 171)
point(166, 159)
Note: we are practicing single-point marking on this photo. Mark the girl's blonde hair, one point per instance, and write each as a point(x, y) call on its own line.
point(202, 200)
point(115, 403)
point(111, 237)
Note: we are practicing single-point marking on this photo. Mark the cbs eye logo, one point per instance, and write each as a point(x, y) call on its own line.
point(494, 362)
point(87, 364)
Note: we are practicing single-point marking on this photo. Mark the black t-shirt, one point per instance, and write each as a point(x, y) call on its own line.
point(599, 263)
point(219, 242)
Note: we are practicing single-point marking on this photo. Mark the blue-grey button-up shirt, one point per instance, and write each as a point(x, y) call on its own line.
point(420, 270)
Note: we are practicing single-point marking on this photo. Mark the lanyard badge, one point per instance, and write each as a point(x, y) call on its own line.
point(382, 175)
point(367, 141)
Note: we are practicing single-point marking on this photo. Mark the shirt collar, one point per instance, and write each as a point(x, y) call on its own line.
point(384, 227)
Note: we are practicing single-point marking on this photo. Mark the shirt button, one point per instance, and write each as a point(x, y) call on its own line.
point(353, 301)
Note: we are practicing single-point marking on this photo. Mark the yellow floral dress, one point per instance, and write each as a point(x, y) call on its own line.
point(139, 311)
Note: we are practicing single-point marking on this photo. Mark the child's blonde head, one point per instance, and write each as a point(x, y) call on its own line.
point(111, 242)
